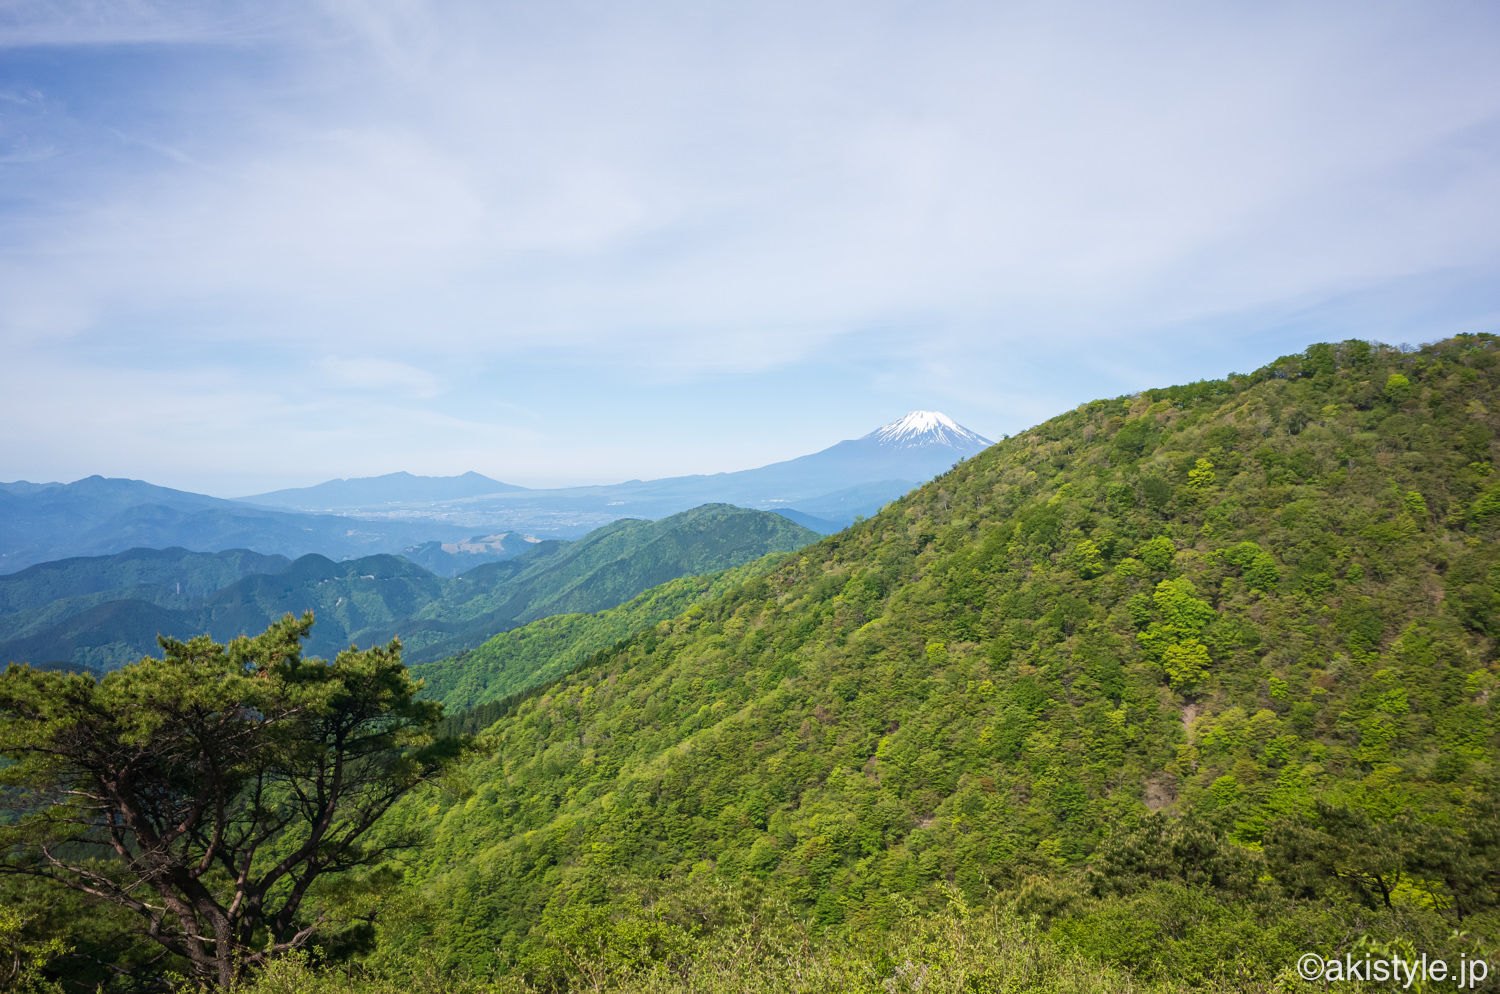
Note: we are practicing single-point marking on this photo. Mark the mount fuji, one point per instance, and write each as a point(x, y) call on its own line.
point(927, 430)
point(915, 447)
point(909, 450)
point(823, 491)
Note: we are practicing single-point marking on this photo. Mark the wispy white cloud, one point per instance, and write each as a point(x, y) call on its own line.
point(679, 193)
point(381, 375)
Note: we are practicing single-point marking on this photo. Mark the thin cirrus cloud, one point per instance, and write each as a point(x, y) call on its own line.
point(379, 374)
point(555, 219)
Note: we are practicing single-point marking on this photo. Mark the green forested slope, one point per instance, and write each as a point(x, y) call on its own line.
point(41, 595)
point(1235, 598)
point(614, 563)
point(516, 660)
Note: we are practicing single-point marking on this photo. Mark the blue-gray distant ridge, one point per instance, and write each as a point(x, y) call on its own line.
point(392, 488)
point(844, 481)
point(451, 524)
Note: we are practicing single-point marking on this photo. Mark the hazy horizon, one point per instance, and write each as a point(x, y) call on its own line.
point(542, 487)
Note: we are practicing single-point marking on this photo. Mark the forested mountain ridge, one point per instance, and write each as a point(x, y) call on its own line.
point(95, 623)
point(162, 575)
point(1236, 598)
point(613, 563)
point(517, 660)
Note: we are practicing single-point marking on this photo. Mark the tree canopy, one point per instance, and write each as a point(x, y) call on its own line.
point(209, 790)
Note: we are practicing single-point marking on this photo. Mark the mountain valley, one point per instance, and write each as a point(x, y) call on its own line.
point(103, 613)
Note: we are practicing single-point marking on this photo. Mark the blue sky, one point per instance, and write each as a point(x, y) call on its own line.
point(247, 246)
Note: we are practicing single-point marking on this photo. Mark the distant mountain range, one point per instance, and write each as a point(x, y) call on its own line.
point(375, 491)
point(97, 516)
point(451, 524)
point(102, 612)
point(823, 491)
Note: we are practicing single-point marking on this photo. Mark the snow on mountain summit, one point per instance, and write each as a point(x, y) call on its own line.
point(922, 429)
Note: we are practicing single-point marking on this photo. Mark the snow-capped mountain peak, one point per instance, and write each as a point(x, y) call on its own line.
point(921, 429)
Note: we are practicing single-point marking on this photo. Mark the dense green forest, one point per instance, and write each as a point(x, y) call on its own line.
point(42, 595)
point(1159, 694)
point(520, 659)
point(102, 612)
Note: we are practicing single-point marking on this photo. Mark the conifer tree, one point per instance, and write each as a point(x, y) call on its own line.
point(209, 790)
